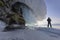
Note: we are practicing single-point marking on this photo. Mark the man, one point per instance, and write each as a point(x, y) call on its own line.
point(49, 22)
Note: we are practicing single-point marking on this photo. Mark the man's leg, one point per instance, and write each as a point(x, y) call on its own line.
point(50, 25)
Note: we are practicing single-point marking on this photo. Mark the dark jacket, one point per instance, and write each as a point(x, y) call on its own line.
point(49, 20)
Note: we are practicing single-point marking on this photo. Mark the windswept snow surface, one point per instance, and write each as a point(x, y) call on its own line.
point(28, 34)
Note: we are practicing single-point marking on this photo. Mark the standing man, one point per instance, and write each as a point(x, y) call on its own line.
point(49, 22)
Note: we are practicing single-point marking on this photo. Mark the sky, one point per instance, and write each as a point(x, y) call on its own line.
point(53, 8)
point(53, 11)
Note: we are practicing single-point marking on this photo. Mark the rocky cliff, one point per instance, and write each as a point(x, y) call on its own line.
point(11, 12)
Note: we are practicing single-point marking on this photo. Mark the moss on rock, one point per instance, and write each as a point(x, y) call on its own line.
point(1, 3)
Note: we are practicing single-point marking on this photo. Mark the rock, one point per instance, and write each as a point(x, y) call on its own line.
point(9, 16)
point(14, 27)
point(1, 3)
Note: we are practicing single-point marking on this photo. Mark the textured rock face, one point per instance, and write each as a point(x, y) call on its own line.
point(28, 11)
point(11, 13)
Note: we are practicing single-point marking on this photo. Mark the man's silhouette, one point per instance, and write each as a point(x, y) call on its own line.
point(49, 22)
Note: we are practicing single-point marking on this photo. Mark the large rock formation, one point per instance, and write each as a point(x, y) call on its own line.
point(22, 11)
point(11, 13)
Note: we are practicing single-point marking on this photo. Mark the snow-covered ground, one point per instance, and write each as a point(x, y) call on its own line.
point(29, 34)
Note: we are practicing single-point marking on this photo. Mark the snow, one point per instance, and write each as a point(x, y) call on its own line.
point(29, 34)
